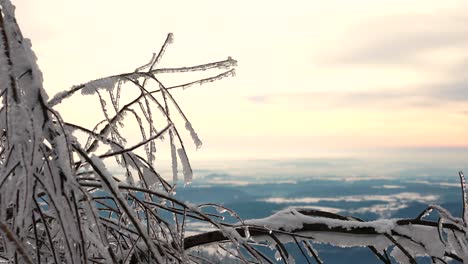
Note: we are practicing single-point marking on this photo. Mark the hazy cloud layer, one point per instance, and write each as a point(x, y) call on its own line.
point(365, 55)
point(413, 41)
point(402, 39)
point(422, 96)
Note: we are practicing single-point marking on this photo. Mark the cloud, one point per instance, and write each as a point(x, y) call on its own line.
point(386, 206)
point(436, 183)
point(431, 47)
point(420, 96)
point(401, 39)
point(388, 187)
point(397, 197)
point(451, 91)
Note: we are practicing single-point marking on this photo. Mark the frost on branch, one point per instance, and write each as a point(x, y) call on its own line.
point(103, 83)
point(61, 200)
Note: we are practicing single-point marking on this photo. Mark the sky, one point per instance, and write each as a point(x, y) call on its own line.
point(313, 77)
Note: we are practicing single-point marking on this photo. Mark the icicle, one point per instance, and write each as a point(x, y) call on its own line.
point(440, 229)
point(187, 169)
point(147, 146)
point(173, 158)
point(193, 134)
point(465, 205)
point(152, 145)
point(247, 232)
point(220, 210)
point(278, 256)
point(117, 97)
point(113, 128)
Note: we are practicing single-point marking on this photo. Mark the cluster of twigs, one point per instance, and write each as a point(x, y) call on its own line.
point(58, 201)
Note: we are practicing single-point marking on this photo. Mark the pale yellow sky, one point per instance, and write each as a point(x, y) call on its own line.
point(313, 76)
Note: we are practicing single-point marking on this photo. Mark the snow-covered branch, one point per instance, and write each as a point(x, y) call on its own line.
point(59, 202)
point(404, 239)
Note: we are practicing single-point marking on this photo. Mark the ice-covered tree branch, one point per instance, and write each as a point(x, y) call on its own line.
point(400, 240)
point(59, 203)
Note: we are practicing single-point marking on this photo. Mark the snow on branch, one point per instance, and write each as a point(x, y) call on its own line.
point(109, 82)
point(400, 240)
